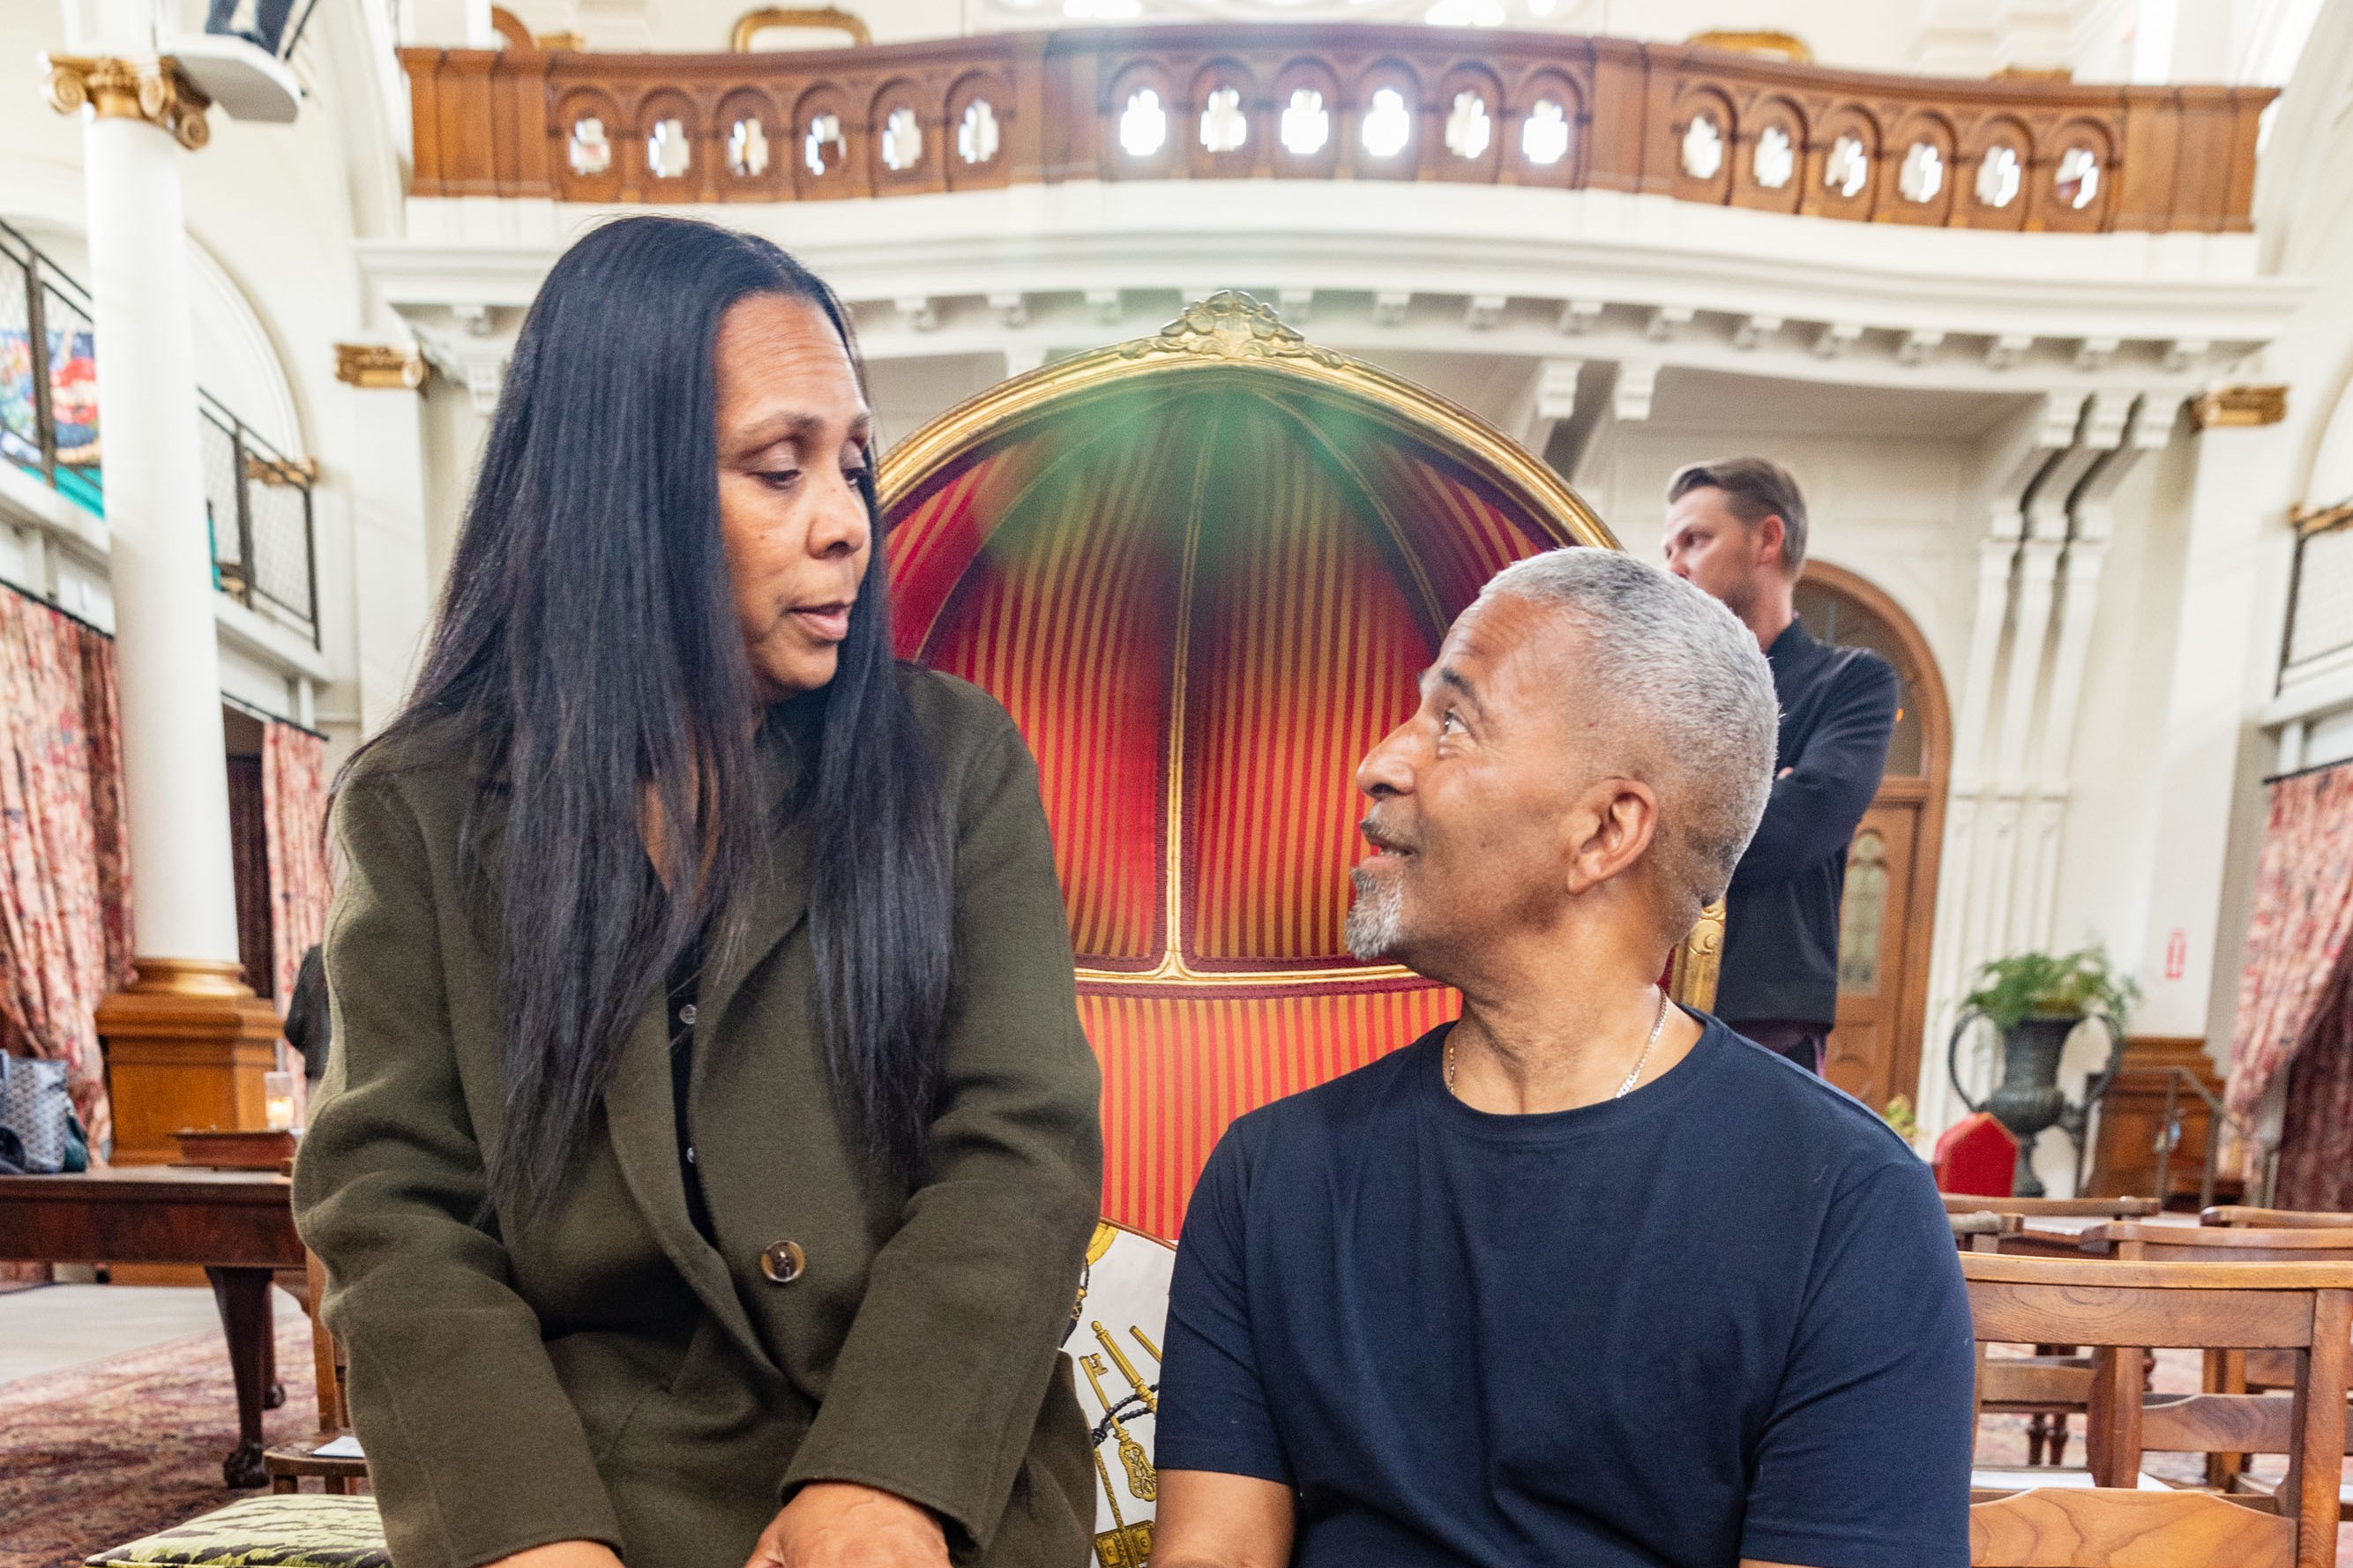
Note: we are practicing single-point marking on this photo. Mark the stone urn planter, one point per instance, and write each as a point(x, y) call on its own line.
point(2026, 1097)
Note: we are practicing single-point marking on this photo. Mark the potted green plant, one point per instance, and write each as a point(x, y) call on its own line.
point(2034, 1001)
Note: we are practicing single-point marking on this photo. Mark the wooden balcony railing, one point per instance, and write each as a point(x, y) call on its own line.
point(1331, 103)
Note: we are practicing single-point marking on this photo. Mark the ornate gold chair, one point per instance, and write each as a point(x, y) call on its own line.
point(1202, 570)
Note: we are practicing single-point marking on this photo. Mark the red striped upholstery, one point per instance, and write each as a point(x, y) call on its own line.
point(1178, 1067)
point(1306, 653)
point(1290, 578)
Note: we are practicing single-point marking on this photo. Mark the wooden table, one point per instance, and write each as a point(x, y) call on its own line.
point(238, 1225)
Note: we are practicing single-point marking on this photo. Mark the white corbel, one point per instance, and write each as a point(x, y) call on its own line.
point(1917, 346)
point(1836, 339)
point(1638, 382)
point(2007, 349)
point(1667, 322)
point(1578, 317)
point(1550, 399)
point(1484, 311)
point(1754, 329)
point(2094, 353)
point(1389, 307)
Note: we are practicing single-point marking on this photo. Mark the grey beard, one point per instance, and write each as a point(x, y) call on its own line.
point(1376, 919)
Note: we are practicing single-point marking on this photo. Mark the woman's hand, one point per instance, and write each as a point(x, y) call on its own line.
point(562, 1555)
point(837, 1524)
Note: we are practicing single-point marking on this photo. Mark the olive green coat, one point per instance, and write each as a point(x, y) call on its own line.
point(605, 1372)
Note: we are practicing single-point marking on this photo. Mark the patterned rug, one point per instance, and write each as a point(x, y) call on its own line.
point(110, 1450)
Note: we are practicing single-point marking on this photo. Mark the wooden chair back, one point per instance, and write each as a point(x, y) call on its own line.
point(1982, 1230)
point(2123, 1309)
point(2076, 1208)
point(2276, 1219)
point(2216, 1244)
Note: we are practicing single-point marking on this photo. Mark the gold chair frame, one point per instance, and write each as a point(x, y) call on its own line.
point(1231, 337)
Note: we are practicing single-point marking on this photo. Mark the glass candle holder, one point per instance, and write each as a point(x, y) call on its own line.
point(278, 1100)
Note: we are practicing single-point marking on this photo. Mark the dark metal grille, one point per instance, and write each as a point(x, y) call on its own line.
point(257, 500)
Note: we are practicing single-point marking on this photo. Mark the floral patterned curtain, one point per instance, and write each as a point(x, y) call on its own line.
point(65, 915)
point(2316, 1164)
point(294, 810)
point(2297, 938)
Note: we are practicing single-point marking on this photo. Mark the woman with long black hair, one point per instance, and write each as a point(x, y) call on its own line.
point(709, 1149)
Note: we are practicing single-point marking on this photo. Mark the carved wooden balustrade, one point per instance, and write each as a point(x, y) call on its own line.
point(1345, 102)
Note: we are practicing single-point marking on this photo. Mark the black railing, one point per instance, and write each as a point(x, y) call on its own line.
point(257, 500)
point(2168, 1134)
point(2319, 593)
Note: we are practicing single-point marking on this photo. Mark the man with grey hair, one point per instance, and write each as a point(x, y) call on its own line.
point(1582, 1279)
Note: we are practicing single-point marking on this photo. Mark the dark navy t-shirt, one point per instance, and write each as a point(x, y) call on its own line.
point(1720, 1317)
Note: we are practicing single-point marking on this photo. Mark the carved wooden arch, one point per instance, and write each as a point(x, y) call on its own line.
point(1699, 100)
point(1306, 73)
point(1770, 112)
point(1387, 73)
point(1568, 94)
point(575, 107)
point(2047, 209)
point(1928, 128)
point(1441, 160)
point(1122, 88)
point(1819, 195)
point(1992, 134)
point(749, 106)
point(1221, 73)
point(970, 94)
point(1925, 685)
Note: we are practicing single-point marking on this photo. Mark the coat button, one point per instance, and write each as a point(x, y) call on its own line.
point(782, 1262)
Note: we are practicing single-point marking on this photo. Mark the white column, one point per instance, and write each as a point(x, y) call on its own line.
point(2147, 428)
point(390, 553)
point(166, 643)
point(2015, 460)
point(2103, 434)
point(188, 1045)
point(2226, 655)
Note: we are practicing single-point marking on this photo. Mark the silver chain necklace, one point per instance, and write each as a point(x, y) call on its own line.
point(1633, 1077)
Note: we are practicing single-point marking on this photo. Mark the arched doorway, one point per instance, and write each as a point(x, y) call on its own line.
point(1886, 917)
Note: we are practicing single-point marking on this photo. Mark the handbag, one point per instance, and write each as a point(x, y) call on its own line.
point(37, 1108)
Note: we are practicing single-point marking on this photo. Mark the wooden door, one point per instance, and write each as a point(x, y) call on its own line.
point(1890, 901)
point(1870, 1055)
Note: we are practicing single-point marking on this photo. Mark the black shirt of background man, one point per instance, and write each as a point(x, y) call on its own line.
point(1719, 1318)
point(1781, 916)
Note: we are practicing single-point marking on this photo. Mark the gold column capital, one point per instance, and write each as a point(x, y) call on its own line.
point(157, 91)
point(381, 365)
point(2239, 404)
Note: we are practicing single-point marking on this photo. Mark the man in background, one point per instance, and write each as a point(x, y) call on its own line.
point(1736, 528)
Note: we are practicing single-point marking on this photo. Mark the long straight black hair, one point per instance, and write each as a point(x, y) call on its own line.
point(587, 639)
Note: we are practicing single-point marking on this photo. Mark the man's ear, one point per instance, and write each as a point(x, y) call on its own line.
point(1773, 539)
point(1611, 825)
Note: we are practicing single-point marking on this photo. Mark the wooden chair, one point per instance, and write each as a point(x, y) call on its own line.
point(2276, 1219)
point(287, 1463)
point(2234, 1372)
point(2073, 1208)
point(2053, 1385)
point(2124, 1307)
